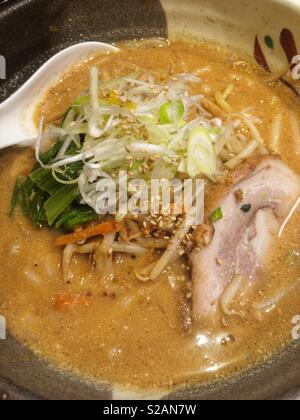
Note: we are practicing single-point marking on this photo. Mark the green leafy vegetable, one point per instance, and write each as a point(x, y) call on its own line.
point(15, 198)
point(38, 214)
point(60, 201)
point(23, 195)
point(75, 217)
point(43, 198)
point(43, 178)
point(51, 154)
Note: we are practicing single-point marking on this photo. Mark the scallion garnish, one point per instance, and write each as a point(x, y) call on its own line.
point(171, 112)
point(216, 215)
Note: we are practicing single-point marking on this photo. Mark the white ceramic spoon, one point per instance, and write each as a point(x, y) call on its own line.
point(17, 112)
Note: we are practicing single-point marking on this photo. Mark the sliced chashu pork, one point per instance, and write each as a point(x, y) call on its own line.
point(237, 244)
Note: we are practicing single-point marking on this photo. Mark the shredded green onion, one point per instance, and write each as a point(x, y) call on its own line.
point(216, 215)
point(171, 112)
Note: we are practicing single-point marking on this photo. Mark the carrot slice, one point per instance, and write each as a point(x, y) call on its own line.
point(69, 301)
point(89, 232)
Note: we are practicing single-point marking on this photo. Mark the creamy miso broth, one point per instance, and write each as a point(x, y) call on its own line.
point(131, 332)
